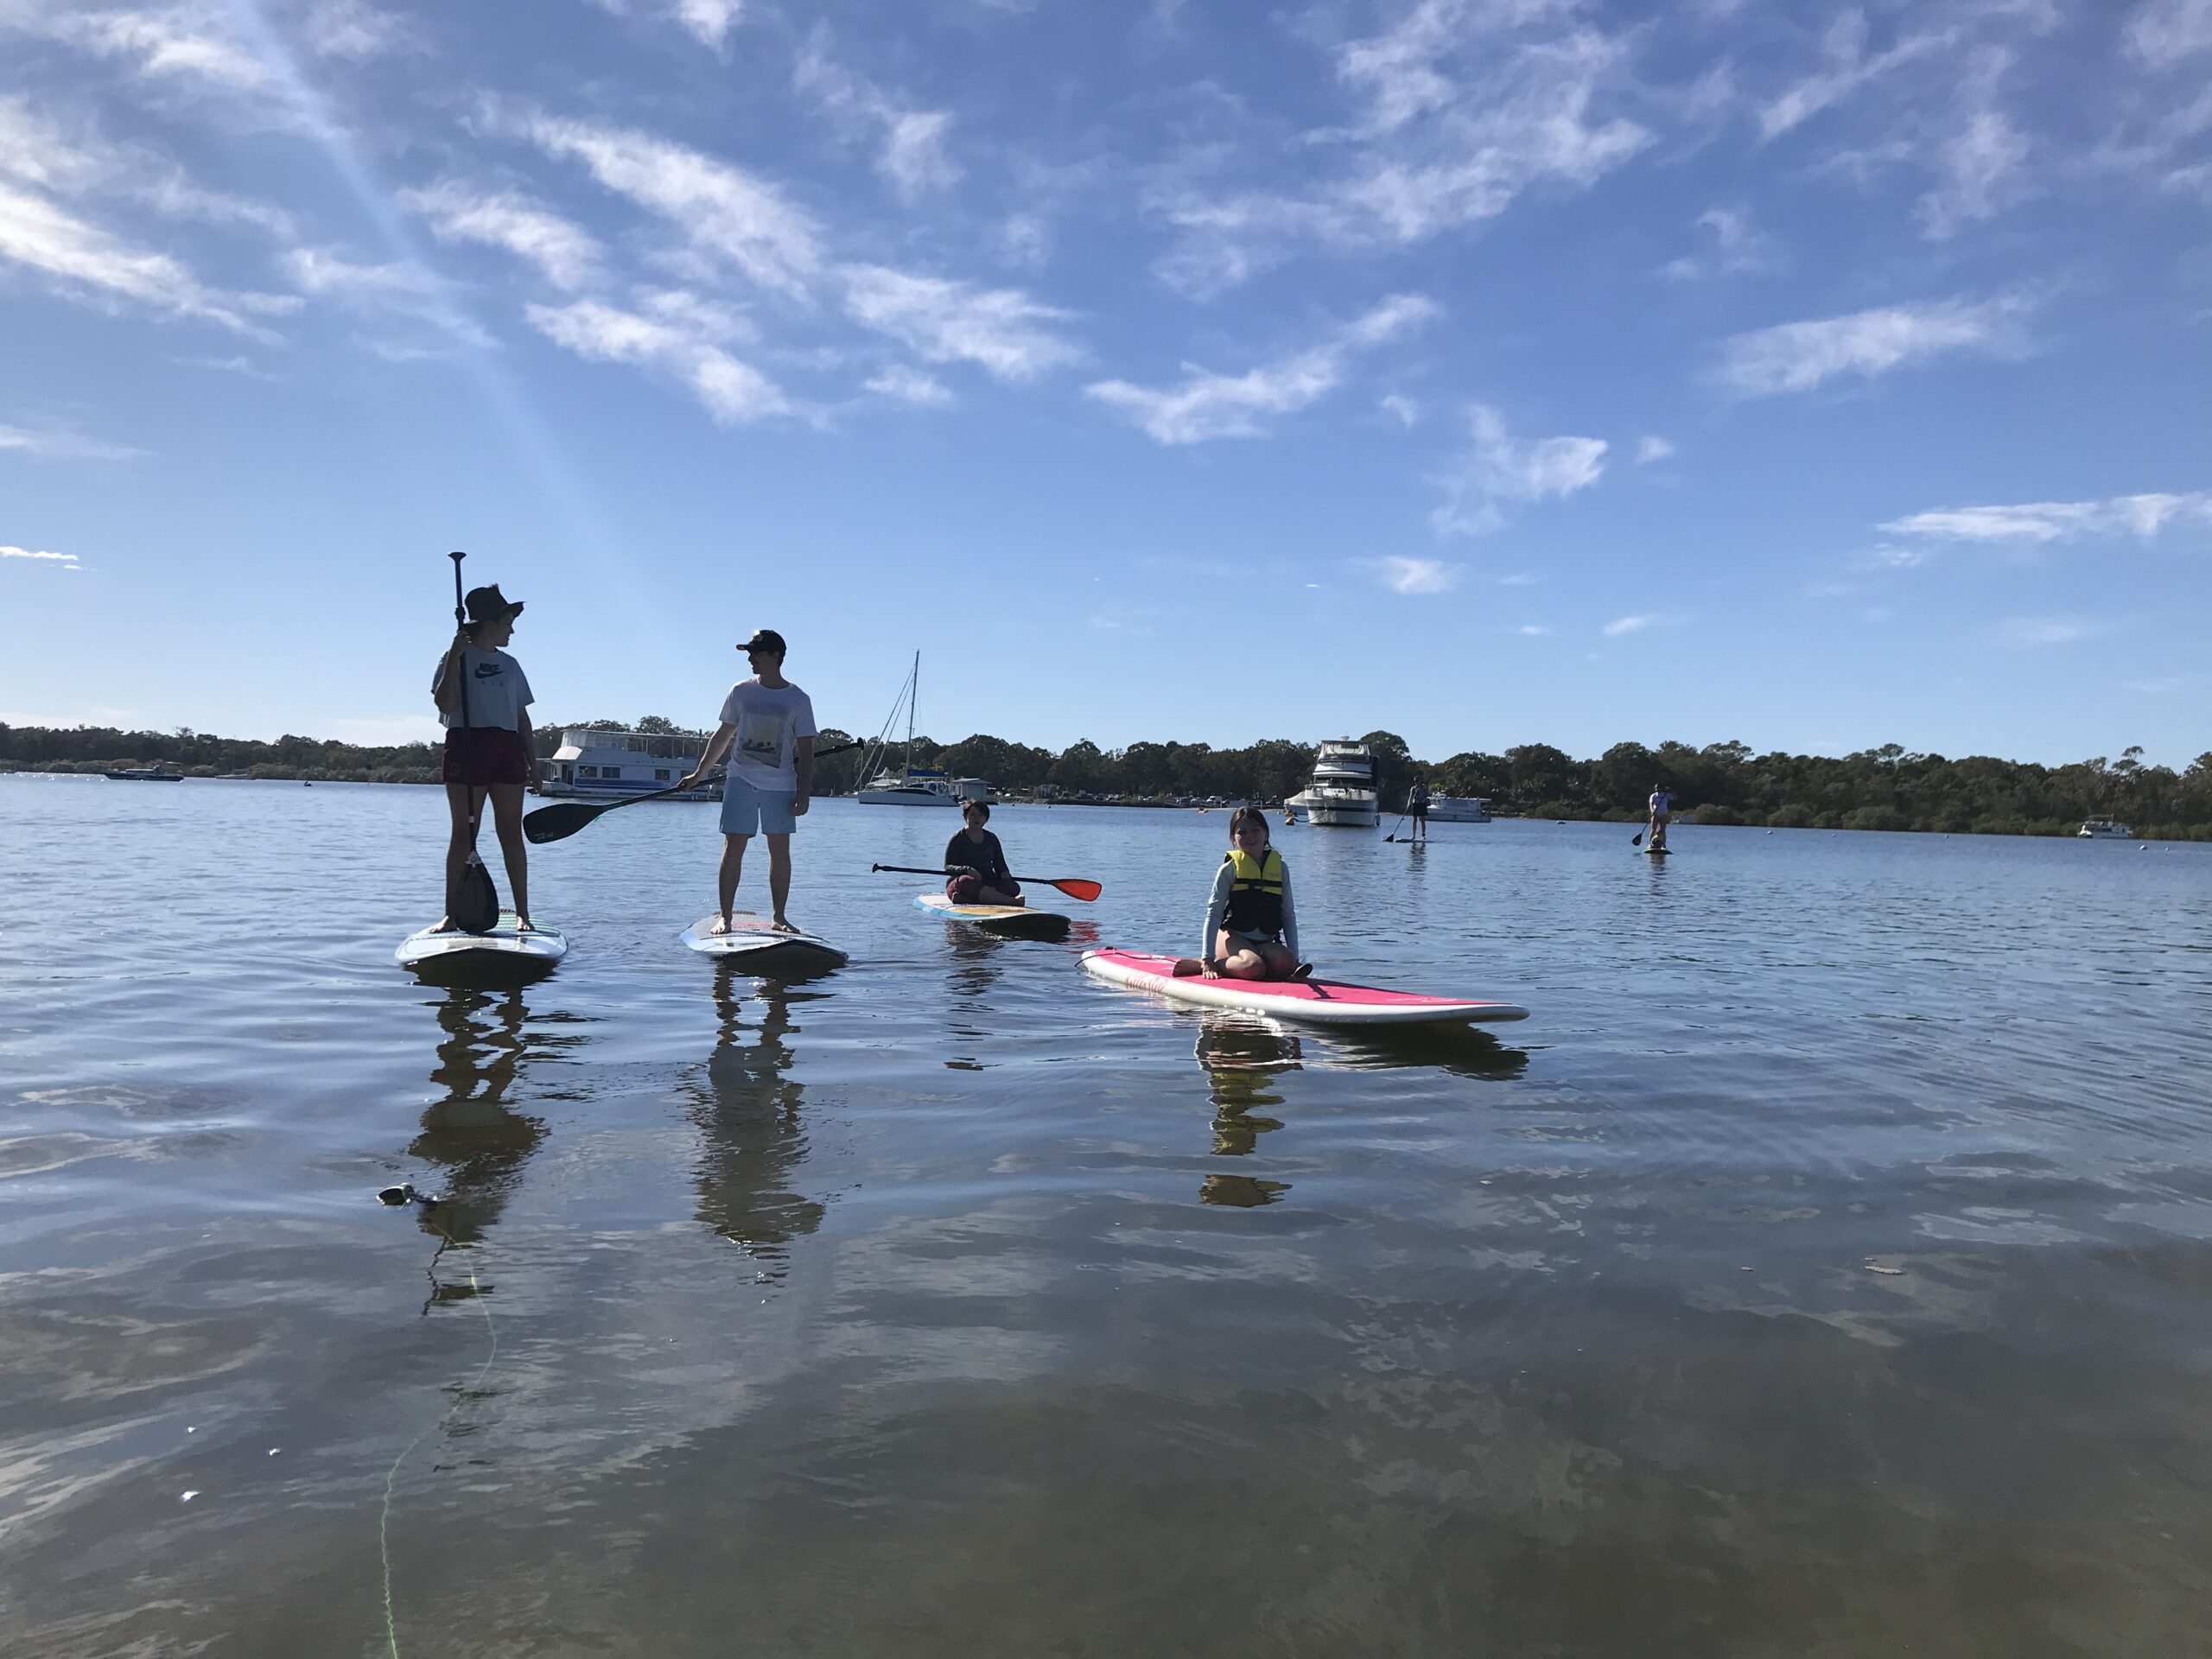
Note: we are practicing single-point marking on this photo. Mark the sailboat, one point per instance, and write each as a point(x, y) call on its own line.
point(912, 785)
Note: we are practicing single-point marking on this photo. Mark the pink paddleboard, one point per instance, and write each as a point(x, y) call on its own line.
point(1313, 1001)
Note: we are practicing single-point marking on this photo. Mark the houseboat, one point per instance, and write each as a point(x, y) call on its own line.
point(594, 763)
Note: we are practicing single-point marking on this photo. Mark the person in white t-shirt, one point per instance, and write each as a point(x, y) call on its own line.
point(767, 730)
point(1662, 807)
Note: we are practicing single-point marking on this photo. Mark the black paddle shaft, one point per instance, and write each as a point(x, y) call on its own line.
point(477, 895)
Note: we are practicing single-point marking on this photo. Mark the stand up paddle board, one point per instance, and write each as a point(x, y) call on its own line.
point(1014, 921)
point(449, 956)
point(1313, 1001)
point(1656, 852)
point(757, 948)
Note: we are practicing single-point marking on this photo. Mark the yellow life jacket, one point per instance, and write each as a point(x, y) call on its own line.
point(1255, 896)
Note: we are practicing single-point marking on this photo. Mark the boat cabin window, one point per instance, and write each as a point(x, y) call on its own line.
point(660, 774)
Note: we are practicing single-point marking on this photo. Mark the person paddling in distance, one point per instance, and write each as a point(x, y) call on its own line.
point(976, 853)
point(1251, 930)
point(1417, 806)
point(484, 699)
point(770, 781)
point(1662, 807)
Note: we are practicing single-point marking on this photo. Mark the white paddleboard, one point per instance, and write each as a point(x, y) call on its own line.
point(448, 953)
point(994, 919)
point(1313, 1001)
point(759, 948)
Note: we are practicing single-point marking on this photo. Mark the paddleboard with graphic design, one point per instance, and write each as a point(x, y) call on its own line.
point(448, 955)
point(1016, 921)
point(1310, 1001)
point(757, 947)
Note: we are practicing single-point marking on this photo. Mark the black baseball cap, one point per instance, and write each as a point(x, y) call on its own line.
point(764, 639)
point(485, 603)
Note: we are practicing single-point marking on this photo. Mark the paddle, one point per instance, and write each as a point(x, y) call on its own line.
point(474, 905)
point(1393, 835)
point(1074, 886)
point(559, 822)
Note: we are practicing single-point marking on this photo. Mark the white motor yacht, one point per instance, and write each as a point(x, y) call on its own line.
point(596, 764)
point(1341, 792)
point(2105, 829)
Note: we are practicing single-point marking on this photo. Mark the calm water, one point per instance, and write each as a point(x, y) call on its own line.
point(1824, 1268)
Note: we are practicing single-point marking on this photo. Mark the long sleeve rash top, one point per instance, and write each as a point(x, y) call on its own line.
point(1217, 910)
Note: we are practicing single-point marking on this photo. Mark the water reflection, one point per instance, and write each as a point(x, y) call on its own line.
point(1242, 1059)
point(752, 1134)
point(473, 1135)
point(977, 969)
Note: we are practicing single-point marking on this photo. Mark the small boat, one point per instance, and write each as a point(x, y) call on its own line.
point(1458, 809)
point(2095, 830)
point(912, 785)
point(144, 775)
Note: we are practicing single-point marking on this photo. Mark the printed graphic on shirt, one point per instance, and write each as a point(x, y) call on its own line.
point(760, 737)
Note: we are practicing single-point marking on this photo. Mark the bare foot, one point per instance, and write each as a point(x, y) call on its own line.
point(523, 924)
point(720, 926)
point(782, 925)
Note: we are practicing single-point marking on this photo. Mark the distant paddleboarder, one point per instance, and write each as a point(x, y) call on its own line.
point(771, 782)
point(1251, 930)
point(975, 853)
point(1417, 807)
point(483, 700)
point(1662, 807)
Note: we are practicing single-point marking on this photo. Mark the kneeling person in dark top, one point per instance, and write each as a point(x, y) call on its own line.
point(979, 861)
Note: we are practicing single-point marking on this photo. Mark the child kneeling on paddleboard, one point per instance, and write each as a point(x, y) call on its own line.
point(1251, 923)
point(484, 700)
point(980, 861)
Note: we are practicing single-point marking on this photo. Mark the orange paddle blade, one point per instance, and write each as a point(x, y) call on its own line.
point(1076, 887)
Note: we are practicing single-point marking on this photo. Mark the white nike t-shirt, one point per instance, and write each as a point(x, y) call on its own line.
point(769, 724)
point(498, 692)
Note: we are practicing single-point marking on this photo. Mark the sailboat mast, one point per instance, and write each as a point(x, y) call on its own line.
point(913, 696)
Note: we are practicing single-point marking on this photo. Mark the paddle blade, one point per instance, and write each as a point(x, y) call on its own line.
point(559, 822)
point(475, 906)
point(1076, 887)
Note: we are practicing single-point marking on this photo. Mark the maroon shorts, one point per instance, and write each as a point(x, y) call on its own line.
point(485, 754)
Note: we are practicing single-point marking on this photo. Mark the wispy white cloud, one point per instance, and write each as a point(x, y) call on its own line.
point(1465, 105)
point(2141, 516)
point(1979, 165)
point(59, 443)
point(1800, 356)
point(35, 557)
point(1652, 447)
point(1411, 576)
point(1207, 405)
point(1736, 248)
point(38, 151)
point(1004, 331)
point(352, 30)
point(721, 209)
point(81, 260)
point(1848, 67)
point(1621, 625)
point(913, 153)
point(1404, 411)
point(1499, 467)
point(566, 253)
point(396, 289)
point(900, 384)
point(2165, 33)
point(2030, 631)
point(711, 21)
point(683, 343)
point(184, 41)
point(1533, 630)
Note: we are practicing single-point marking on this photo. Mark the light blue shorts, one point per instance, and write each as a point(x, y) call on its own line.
point(750, 811)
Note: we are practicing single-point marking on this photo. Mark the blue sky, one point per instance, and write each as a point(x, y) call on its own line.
point(1490, 371)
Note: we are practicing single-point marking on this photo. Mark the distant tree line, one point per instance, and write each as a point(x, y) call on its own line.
point(1886, 788)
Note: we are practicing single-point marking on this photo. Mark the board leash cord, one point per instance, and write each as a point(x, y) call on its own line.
point(391, 1475)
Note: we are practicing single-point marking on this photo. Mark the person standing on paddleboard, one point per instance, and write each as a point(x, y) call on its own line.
point(1251, 930)
point(1417, 806)
point(484, 700)
point(771, 780)
point(976, 853)
point(1662, 807)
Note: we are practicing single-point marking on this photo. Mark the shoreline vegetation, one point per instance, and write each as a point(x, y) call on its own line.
point(1886, 788)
